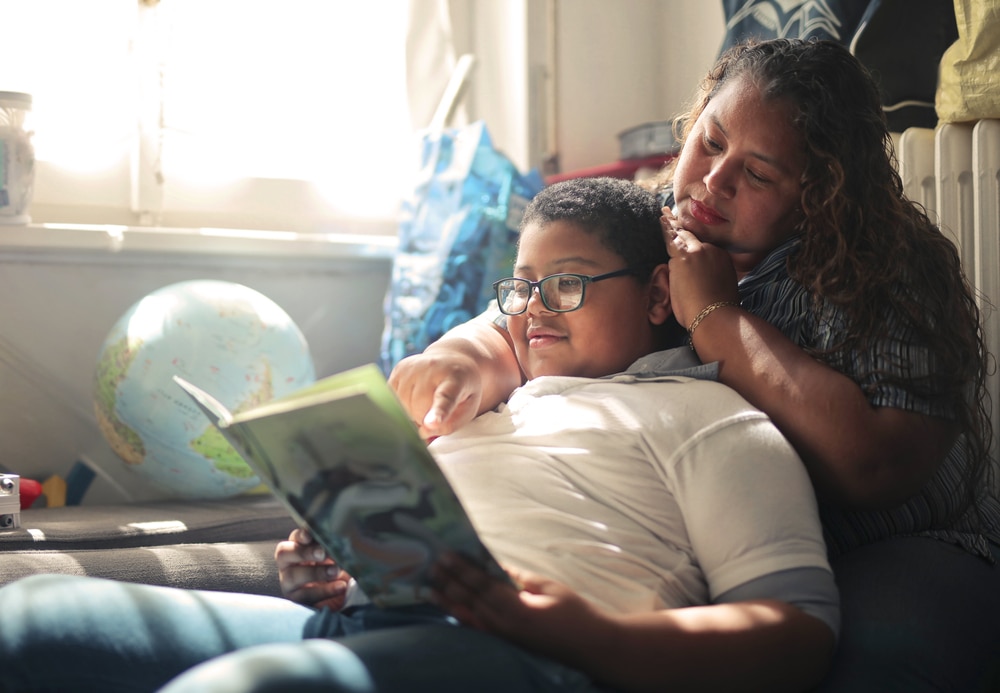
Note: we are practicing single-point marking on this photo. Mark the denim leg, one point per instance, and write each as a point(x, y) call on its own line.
point(419, 658)
point(69, 633)
point(917, 615)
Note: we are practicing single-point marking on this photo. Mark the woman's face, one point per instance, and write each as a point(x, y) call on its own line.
point(608, 332)
point(737, 181)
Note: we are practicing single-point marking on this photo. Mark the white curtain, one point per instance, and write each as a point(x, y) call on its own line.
point(432, 42)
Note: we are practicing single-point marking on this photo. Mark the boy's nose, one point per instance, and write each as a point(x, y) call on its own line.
point(535, 303)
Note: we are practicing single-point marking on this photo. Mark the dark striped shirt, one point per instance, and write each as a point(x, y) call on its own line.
point(771, 294)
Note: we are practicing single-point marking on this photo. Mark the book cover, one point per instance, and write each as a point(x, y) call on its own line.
point(344, 457)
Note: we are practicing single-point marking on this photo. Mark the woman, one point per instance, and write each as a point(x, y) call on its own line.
point(832, 303)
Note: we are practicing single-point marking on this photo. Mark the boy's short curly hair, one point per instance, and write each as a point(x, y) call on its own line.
point(625, 217)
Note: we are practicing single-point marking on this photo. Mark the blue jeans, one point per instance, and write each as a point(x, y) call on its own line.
point(67, 633)
point(918, 616)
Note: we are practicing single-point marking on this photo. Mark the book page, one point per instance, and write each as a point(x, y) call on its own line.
point(367, 379)
point(351, 466)
point(215, 410)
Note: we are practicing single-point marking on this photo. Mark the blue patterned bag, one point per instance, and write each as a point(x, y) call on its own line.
point(457, 235)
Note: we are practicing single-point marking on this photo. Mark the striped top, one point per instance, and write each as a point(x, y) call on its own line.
point(769, 293)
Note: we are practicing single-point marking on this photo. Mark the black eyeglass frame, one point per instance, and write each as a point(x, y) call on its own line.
point(532, 285)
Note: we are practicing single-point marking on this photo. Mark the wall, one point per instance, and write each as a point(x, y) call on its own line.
point(621, 64)
point(561, 79)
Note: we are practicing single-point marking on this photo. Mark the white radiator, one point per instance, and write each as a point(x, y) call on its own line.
point(954, 171)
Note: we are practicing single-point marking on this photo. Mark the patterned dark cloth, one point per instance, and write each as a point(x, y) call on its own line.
point(900, 41)
point(771, 294)
point(837, 20)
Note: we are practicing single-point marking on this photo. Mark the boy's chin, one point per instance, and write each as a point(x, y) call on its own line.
point(540, 370)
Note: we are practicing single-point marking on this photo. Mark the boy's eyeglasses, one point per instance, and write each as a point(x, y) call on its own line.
point(560, 293)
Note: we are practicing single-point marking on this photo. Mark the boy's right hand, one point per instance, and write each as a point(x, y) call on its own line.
point(307, 575)
point(440, 389)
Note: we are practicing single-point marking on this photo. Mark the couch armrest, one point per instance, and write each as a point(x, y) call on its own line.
point(217, 545)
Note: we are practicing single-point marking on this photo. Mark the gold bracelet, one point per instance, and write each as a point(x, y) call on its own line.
point(706, 311)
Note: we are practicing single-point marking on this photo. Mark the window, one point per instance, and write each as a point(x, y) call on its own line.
point(287, 115)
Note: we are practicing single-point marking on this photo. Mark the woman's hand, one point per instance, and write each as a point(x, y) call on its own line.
point(700, 273)
point(543, 616)
point(307, 575)
point(441, 390)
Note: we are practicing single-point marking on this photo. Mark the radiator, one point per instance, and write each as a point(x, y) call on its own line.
point(954, 171)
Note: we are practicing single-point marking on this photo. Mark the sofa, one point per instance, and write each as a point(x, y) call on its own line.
point(225, 544)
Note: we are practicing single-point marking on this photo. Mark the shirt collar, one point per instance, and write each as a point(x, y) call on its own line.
point(774, 262)
point(680, 361)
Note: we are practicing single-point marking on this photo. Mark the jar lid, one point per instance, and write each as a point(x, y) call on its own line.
point(15, 99)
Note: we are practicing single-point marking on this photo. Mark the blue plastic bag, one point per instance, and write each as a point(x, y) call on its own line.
point(457, 235)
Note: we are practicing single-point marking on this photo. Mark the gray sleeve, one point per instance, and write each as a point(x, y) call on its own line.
point(811, 589)
point(493, 314)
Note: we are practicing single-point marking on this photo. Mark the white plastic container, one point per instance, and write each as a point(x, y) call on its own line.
point(10, 501)
point(17, 158)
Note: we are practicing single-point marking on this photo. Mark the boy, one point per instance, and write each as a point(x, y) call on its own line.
point(625, 475)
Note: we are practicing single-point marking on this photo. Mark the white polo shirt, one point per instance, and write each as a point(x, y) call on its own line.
point(640, 491)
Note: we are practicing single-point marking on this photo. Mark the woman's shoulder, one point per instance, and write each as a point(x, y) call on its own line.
point(771, 294)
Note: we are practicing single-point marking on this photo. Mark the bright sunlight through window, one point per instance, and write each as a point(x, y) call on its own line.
point(301, 89)
point(73, 58)
point(219, 91)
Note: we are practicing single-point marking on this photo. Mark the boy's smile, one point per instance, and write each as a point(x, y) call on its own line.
point(541, 336)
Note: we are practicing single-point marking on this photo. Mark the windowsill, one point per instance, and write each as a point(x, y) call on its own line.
point(132, 242)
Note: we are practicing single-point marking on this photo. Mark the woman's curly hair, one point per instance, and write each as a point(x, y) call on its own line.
point(866, 248)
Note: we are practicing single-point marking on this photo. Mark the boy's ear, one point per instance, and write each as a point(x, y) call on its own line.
point(659, 296)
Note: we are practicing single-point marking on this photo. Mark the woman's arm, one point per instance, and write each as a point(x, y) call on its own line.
point(857, 454)
point(763, 645)
point(470, 369)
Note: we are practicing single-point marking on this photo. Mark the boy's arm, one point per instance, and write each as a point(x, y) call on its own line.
point(470, 369)
point(759, 645)
point(763, 644)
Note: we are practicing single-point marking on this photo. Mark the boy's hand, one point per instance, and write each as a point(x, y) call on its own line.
point(544, 616)
point(307, 575)
point(440, 389)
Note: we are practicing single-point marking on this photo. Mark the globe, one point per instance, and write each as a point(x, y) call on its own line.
point(227, 339)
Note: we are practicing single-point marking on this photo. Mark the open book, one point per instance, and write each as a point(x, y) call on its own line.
point(344, 457)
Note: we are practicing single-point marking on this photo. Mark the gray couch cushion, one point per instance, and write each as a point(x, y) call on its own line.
point(220, 544)
point(240, 519)
point(230, 567)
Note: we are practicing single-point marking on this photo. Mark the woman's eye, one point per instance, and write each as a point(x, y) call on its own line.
point(757, 177)
point(712, 144)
